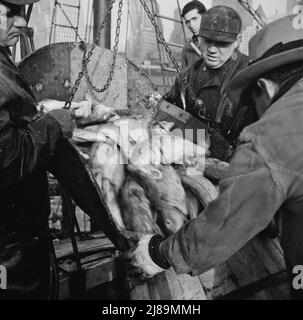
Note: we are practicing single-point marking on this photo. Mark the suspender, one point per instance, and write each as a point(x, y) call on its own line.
point(197, 50)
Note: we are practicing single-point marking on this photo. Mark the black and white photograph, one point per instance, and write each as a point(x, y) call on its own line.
point(151, 150)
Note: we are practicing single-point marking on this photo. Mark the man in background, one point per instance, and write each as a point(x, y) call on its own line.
point(192, 14)
point(219, 37)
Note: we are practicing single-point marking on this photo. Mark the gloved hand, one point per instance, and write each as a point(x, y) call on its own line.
point(66, 119)
point(139, 263)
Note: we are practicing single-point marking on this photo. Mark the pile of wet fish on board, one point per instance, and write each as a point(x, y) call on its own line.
point(150, 177)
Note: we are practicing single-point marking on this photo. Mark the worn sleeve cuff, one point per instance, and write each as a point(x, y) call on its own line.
point(155, 254)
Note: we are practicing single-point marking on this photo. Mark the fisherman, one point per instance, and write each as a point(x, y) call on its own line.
point(192, 14)
point(208, 77)
point(265, 173)
point(26, 143)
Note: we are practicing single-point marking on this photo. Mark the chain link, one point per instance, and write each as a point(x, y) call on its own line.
point(115, 49)
point(87, 56)
point(198, 102)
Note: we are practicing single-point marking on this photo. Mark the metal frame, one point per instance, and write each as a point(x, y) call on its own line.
point(54, 25)
point(157, 16)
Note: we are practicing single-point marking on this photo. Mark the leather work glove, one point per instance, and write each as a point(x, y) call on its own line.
point(139, 263)
point(66, 119)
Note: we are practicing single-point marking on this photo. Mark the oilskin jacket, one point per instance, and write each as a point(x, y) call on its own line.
point(266, 175)
point(26, 141)
point(209, 86)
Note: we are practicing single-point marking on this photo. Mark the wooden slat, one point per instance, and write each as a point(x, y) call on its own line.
point(158, 288)
point(257, 261)
point(97, 273)
point(191, 288)
point(140, 293)
point(184, 287)
point(257, 289)
point(223, 282)
point(169, 286)
point(64, 248)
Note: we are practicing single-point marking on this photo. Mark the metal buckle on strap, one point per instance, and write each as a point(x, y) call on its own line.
point(210, 123)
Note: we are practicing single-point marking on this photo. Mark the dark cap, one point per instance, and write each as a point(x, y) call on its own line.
point(19, 2)
point(221, 23)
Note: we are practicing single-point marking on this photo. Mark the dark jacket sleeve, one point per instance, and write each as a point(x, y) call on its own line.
point(24, 147)
point(249, 197)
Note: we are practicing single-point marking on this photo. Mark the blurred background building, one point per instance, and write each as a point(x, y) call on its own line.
point(73, 20)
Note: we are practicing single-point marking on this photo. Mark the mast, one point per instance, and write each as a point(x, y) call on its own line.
point(100, 7)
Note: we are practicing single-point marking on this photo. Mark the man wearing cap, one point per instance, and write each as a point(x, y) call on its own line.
point(26, 143)
point(192, 15)
point(266, 172)
point(208, 77)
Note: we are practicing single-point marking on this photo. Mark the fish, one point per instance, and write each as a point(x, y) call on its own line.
point(166, 149)
point(173, 213)
point(215, 168)
point(165, 192)
point(86, 111)
point(98, 114)
point(193, 205)
point(106, 163)
point(97, 133)
point(162, 127)
point(86, 136)
point(136, 210)
point(201, 187)
point(126, 132)
point(133, 131)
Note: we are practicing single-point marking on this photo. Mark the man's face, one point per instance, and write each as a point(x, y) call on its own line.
point(215, 53)
point(10, 23)
point(193, 21)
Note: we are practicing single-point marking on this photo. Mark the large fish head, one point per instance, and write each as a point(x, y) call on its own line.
point(173, 220)
point(137, 130)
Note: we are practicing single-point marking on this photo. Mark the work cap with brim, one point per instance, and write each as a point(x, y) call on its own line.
point(221, 23)
point(19, 2)
point(277, 44)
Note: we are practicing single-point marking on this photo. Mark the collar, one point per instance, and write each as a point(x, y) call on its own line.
point(195, 40)
point(216, 75)
point(11, 68)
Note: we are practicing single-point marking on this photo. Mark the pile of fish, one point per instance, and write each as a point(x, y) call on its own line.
point(147, 174)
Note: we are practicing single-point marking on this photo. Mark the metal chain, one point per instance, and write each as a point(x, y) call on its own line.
point(86, 59)
point(247, 6)
point(115, 49)
point(198, 103)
